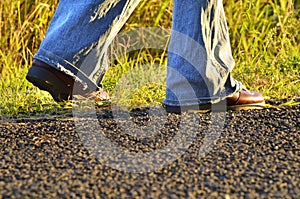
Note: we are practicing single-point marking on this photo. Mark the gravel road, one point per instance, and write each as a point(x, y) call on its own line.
point(256, 154)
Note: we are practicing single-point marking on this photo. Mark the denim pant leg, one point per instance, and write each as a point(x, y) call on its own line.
point(199, 55)
point(76, 28)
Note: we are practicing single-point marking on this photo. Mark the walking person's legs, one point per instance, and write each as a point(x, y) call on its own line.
point(199, 64)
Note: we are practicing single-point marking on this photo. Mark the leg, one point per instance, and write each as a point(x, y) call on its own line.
point(76, 29)
point(200, 58)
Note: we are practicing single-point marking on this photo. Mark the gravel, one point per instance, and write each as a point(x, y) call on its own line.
point(256, 154)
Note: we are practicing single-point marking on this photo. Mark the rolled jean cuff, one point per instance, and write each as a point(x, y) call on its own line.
point(207, 100)
point(66, 67)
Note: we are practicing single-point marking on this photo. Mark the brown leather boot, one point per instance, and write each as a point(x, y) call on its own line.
point(57, 83)
point(245, 100)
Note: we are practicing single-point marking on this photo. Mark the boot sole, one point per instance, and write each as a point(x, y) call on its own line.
point(256, 106)
point(205, 108)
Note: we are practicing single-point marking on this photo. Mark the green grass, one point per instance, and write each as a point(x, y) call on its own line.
point(264, 36)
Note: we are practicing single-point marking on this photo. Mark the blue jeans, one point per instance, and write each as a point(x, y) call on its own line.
point(199, 53)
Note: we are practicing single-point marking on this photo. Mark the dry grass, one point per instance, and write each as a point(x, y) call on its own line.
point(264, 36)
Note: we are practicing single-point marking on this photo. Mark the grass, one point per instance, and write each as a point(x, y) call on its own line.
point(264, 36)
